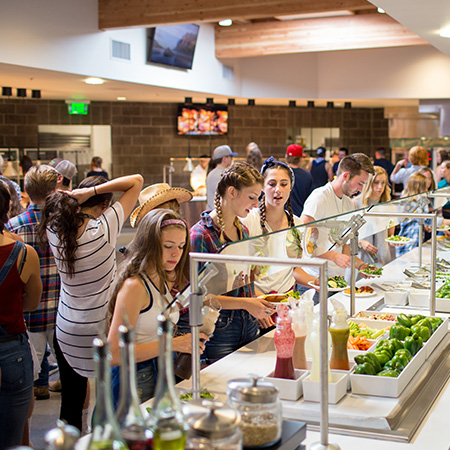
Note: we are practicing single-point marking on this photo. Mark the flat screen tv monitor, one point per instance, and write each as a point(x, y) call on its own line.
point(202, 120)
point(172, 45)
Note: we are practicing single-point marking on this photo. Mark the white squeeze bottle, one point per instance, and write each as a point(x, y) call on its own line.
point(315, 347)
point(307, 305)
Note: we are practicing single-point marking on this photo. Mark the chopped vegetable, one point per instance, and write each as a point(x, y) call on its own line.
point(188, 396)
point(397, 238)
point(364, 330)
point(358, 343)
point(371, 269)
point(337, 282)
point(386, 316)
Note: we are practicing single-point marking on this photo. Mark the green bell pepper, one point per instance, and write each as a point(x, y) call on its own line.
point(415, 318)
point(365, 368)
point(399, 332)
point(369, 358)
point(425, 322)
point(404, 320)
point(389, 373)
point(395, 344)
point(383, 355)
point(435, 322)
point(413, 343)
point(404, 352)
point(423, 331)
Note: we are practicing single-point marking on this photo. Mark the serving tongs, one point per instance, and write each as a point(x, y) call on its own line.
point(416, 285)
point(409, 274)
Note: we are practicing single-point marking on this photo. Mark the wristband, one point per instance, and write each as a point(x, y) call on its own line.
point(95, 191)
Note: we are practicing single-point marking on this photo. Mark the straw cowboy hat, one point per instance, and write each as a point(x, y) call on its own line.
point(157, 194)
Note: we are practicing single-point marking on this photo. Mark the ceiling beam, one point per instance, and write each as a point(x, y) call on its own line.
point(313, 35)
point(138, 13)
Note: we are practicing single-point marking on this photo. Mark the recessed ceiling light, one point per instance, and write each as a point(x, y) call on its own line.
point(94, 80)
point(381, 11)
point(121, 99)
point(445, 32)
point(226, 23)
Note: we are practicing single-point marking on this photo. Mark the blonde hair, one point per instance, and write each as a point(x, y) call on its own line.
point(425, 170)
point(40, 181)
point(418, 156)
point(368, 187)
point(416, 184)
point(238, 175)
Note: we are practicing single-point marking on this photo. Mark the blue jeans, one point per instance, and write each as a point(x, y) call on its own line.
point(16, 389)
point(146, 372)
point(234, 329)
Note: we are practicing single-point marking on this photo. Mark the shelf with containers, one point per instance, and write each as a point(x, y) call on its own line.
point(395, 409)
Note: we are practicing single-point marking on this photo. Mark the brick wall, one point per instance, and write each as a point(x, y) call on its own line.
point(144, 134)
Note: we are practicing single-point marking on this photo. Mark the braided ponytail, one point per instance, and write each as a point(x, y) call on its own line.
point(262, 212)
point(218, 208)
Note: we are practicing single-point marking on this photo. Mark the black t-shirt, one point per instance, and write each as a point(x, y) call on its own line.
point(95, 173)
point(303, 186)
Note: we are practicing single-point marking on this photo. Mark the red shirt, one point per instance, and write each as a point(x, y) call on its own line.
point(11, 308)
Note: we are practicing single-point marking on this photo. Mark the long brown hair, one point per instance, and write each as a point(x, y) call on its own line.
point(61, 213)
point(145, 250)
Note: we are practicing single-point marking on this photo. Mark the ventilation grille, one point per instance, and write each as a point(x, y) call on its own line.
point(64, 141)
point(120, 50)
point(228, 72)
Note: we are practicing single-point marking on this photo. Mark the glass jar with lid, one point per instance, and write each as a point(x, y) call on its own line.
point(260, 408)
point(213, 426)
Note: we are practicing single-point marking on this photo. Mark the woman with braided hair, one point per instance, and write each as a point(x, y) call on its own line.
point(236, 194)
point(274, 214)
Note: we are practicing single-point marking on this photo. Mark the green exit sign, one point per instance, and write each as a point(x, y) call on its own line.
point(78, 108)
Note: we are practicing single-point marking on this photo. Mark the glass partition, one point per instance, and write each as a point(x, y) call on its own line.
point(316, 239)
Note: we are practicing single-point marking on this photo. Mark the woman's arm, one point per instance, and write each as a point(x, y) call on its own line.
point(31, 276)
point(302, 277)
point(130, 185)
point(257, 307)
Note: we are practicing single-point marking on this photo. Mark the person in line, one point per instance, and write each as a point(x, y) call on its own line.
point(96, 168)
point(275, 213)
point(158, 257)
point(374, 248)
point(16, 207)
point(221, 159)
point(40, 181)
point(413, 203)
point(303, 185)
point(198, 176)
point(20, 291)
point(321, 170)
point(429, 174)
point(82, 230)
point(381, 161)
point(254, 156)
point(334, 199)
point(2, 177)
point(237, 193)
point(342, 153)
point(441, 156)
point(67, 170)
point(418, 157)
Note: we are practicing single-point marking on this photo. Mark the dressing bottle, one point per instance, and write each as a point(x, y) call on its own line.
point(339, 330)
point(300, 331)
point(284, 339)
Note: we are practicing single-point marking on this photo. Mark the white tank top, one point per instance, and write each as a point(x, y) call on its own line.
point(146, 329)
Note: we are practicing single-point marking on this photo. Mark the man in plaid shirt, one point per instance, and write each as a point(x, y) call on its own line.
point(40, 181)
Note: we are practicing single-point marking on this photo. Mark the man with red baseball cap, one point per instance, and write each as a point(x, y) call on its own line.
point(303, 185)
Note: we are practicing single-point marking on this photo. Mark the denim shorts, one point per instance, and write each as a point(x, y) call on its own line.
point(146, 372)
point(16, 389)
point(234, 329)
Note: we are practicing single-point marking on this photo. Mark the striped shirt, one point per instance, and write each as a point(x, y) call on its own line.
point(84, 297)
point(26, 225)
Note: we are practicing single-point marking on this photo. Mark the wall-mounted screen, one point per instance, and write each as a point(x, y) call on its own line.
point(172, 45)
point(201, 120)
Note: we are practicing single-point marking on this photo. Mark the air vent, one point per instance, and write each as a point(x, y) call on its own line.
point(63, 141)
point(228, 72)
point(120, 50)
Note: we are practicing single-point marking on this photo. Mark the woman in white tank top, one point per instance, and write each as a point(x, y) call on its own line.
point(159, 251)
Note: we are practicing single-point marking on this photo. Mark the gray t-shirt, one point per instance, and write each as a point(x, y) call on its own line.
point(211, 183)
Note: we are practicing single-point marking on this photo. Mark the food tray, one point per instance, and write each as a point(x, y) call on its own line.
point(436, 337)
point(387, 386)
point(289, 389)
point(352, 353)
point(443, 304)
point(337, 388)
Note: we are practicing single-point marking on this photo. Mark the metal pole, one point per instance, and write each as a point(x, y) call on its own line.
point(353, 253)
point(433, 265)
point(195, 316)
point(420, 241)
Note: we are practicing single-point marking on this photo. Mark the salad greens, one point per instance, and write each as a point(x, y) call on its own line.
point(397, 238)
point(337, 282)
point(371, 269)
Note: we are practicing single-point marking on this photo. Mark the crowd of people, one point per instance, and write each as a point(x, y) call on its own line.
point(60, 285)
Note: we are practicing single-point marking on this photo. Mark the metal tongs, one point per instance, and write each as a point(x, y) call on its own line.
point(409, 274)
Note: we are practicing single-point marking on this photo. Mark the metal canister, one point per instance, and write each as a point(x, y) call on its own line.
point(63, 437)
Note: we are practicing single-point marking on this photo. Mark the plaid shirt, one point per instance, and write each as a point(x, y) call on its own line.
point(205, 238)
point(26, 226)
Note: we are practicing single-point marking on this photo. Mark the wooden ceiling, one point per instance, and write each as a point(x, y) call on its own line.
point(268, 27)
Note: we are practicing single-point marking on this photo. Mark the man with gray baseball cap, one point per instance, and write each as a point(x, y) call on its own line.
point(66, 170)
point(222, 158)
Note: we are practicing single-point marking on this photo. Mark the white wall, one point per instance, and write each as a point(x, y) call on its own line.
point(62, 35)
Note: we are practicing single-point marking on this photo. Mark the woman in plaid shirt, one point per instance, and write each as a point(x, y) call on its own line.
point(237, 193)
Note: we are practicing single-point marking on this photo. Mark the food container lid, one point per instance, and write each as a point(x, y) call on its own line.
point(252, 390)
point(214, 421)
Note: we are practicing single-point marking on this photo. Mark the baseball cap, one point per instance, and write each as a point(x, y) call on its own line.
point(321, 151)
point(66, 169)
point(221, 151)
point(295, 150)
